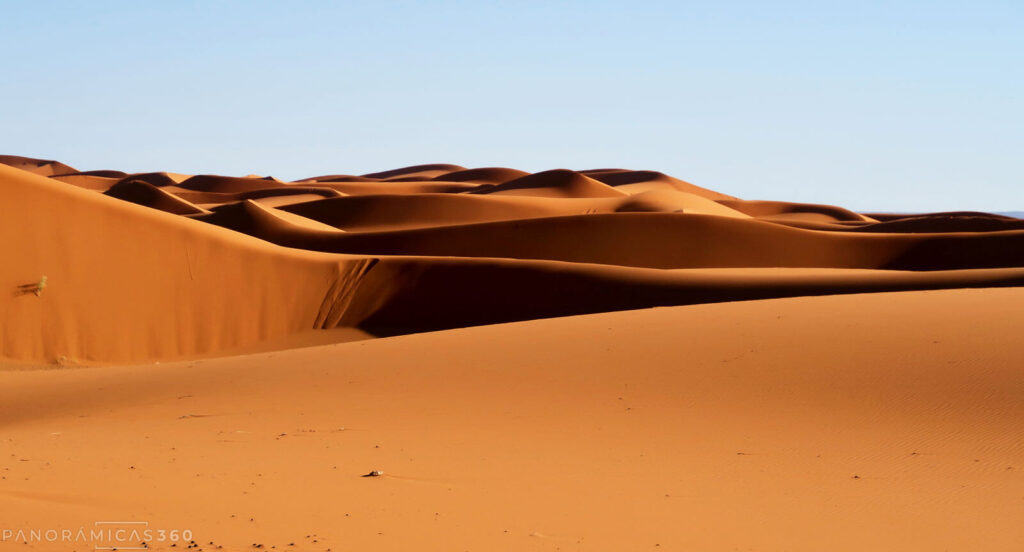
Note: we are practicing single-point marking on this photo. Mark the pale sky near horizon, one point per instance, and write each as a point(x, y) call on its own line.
point(899, 106)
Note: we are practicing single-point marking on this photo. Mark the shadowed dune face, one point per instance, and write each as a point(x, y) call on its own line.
point(160, 265)
point(144, 193)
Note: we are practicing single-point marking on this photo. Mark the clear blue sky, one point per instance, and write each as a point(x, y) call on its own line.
point(869, 105)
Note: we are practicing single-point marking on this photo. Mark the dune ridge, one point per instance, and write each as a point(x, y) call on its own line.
point(444, 358)
point(157, 265)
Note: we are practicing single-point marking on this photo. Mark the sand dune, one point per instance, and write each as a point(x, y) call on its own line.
point(394, 212)
point(780, 210)
point(642, 181)
point(414, 186)
point(224, 184)
point(303, 193)
point(125, 281)
point(980, 222)
point(417, 171)
point(555, 183)
point(43, 167)
point(427, 247)
point(486, 175)
point(485, 341)
point(144, 193)
point(100, 173)
point(95, 183)
point(639, 240)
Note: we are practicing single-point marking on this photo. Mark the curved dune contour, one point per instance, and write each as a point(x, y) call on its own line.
point(822, 379)
point(159, 265)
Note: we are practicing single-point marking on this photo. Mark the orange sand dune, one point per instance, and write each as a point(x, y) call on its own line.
point(781, 210)
point(127, 281)
point(42, 167)
point(306, 193)
point(392, 211)
point(639, 240)
point(641, 181)
point(144, 193)
point(981, 222)
point(159, 179)
point(224, 184)
point(555, 183)
point(339, 178)
point(96, 183)
point(490, 175)
point(863, 422)
point(100, 173)
point(415, 186)
point(885, 217)
point(447, 358)
point(418, 171)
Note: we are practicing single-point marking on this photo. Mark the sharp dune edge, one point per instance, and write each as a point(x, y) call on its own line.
point(788, 400)
point(139, 267)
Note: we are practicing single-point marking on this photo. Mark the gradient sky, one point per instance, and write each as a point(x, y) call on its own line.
point(870, 105)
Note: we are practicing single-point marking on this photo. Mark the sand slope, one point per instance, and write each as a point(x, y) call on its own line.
point(44, 167)
point(128, 282)
point(861, 422)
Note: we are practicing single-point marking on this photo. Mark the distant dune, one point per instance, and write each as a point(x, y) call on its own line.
point(157, 266)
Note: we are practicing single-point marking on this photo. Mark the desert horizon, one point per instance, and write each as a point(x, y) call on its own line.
point(404, 251)
point(447, 358)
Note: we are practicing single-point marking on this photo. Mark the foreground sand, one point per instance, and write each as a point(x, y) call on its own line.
point(862, 422)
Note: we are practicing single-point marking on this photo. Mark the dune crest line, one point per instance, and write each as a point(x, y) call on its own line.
point(157, 265)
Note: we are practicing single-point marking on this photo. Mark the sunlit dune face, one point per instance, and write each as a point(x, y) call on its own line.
point(161, 265)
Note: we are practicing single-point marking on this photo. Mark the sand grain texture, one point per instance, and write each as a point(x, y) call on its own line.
point(714, 427)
